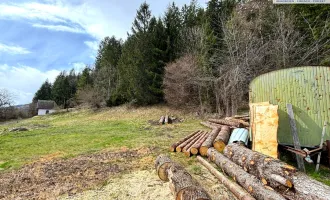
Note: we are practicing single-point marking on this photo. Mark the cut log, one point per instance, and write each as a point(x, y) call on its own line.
point(192, 142)
point(161, 121)
point(209, 141)
point(166, 121)
point(244, 123)
point(162, 164)
point(183, 144)
point(200, 140)
point(249, 182)
point(221, 140)
point(182, 184)
point(260, 165)
point(174, 145)
point(227, 122)
point(237, 190)
point(210, 125)
point(280, 176)
point(195, 148)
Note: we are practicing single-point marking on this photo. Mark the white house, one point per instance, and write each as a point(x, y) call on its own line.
point(45, 107)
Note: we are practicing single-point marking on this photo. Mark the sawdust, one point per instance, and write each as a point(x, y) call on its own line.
point(146, 185)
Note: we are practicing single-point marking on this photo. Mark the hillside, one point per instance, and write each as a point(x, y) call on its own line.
point(66, 153)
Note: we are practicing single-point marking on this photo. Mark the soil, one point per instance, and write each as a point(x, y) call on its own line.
point(49, 178)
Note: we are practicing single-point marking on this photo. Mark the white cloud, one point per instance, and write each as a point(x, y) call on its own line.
point(94, 45)
point(13, 49)
point(78, 66)
point(24, 81)
point(59, 28)
point(92, 18)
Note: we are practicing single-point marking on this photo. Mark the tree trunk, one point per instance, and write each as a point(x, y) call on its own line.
point(244, 123)
point(173, 146)
point(249, 182)
point(237, 190)
point(277, 174)
point(210, 125)
point(183, 144)
point(161, 121)
point(192, 142)
point(194, 148)
point(260, 165)
point(222, 139)
point(182, 184)
point(226, 122)
point(209, 141)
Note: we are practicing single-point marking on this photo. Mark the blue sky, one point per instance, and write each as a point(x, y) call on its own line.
point(43, 37)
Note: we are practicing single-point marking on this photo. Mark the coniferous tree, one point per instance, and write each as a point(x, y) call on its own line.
point(44, 92)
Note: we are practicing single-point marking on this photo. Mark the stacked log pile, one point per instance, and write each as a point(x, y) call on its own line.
point(183, 186)
point(199, 142)
point(257, 176)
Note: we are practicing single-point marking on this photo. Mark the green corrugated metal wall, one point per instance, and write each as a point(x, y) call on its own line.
point(308, 90)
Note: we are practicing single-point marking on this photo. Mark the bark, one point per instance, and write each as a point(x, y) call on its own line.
point(199, 142)
point(167, 120)
point(182, 184)
point(237, 190)
point(210, 125)
point(243, 122)
point(195, 148)
point(227, 122)
point(174, 145)
point(192, 142)
point(161, 121)
point(280, 176)
point(260, 165)
point(209, 141)
point(162, 164)
point(183, 144)
point(249, 182)
point(222, 139)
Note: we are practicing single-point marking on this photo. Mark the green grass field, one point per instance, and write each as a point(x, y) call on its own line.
point(69, 134)
point(85, 131)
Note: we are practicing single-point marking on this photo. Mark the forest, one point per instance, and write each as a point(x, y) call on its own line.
point(197, 58)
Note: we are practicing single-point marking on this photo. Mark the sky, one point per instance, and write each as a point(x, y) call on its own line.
point(40, 38)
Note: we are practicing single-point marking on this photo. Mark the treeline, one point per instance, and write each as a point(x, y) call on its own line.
point(201, 58)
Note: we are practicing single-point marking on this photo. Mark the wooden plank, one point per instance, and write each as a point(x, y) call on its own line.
point(296, 143)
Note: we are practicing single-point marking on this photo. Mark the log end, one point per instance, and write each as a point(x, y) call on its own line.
point(289, 183)
point(178, 149)
point(172, 149)
point(203, 151)
point(187, 153)
point(219, 145)
point(162, 171)
point(264, 181)
point(194, 150)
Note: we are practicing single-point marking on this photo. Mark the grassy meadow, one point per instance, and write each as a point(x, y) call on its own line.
point(69, 134)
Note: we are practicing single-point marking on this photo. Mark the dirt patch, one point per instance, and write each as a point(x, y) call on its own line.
point(47, 179)
point(146, 185)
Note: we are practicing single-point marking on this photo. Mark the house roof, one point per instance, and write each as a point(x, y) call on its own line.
point(46, 104)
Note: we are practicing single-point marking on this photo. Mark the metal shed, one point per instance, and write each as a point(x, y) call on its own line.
point(308, 90)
